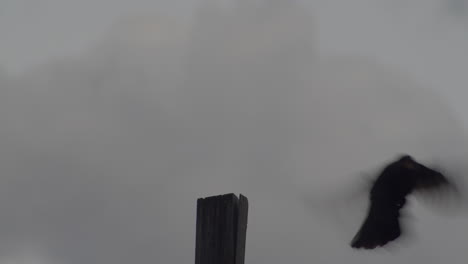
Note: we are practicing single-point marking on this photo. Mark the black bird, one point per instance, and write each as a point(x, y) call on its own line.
point(388, 195)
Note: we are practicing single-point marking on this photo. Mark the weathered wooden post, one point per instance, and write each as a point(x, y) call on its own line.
point(221, 229)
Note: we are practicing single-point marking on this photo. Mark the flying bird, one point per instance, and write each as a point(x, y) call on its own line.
point(388, 196)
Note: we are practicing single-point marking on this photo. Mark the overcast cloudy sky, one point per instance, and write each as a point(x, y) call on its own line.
point(115, 116)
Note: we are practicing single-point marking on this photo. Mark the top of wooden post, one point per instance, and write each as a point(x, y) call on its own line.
point(221, 229)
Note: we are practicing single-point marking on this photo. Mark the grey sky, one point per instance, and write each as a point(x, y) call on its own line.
point(33, 31)
point(120, 115)
point(414, 35)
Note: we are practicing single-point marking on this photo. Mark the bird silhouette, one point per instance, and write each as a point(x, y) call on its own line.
point(388, 196)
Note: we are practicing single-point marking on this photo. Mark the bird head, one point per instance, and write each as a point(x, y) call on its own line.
point(408, 162)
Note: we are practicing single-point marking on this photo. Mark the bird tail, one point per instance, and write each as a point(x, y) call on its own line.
point(380, 227)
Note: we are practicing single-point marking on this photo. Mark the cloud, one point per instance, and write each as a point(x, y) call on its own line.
point(105, 154)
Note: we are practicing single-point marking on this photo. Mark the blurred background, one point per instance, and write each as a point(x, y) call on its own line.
point(115, 116)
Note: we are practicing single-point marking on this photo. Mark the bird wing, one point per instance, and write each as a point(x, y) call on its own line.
point(432, 180)
point(436, 190)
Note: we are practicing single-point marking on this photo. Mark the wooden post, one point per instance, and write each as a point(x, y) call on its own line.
point(221, 229)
